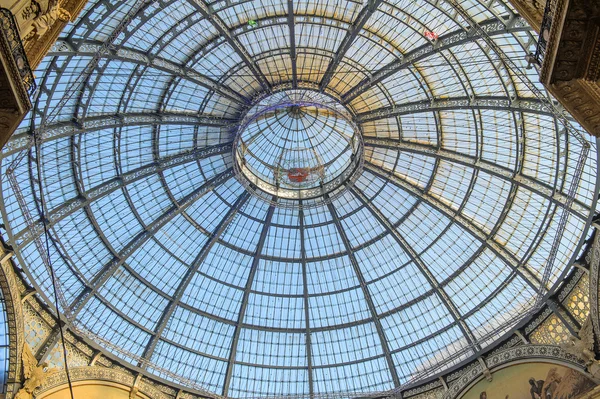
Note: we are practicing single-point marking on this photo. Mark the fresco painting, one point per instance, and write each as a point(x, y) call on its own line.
point(532, 381)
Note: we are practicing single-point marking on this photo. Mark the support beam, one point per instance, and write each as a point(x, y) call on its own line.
point(456, 38)
point(222, 28)
point(70, 128)
point(530, 105)
point(291, 22)
point(416, 259)
point(365, 290)
point(564, 316)
point(44, 351)
point(191, 272)
point(360, 21)
point(549, 193)
point(27, 235)
point(308, 337)
point(507, 257)
point(245, 298)
point(90, 47)
point(109, 268)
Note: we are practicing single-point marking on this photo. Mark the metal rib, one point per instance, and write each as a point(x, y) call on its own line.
point(544, 191)
point(365, 290)
point(290, 20)
point(218, 23)
point(70, 128)
point(88, 47)
point(509, 259)
point(306, 302)
point(245, 298)
point(357, 25)
point(456, 38)
point(533, 106)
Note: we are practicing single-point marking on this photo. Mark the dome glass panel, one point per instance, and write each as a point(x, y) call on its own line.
point(294, 198)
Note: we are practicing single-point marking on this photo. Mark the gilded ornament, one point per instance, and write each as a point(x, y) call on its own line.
point(34, 374)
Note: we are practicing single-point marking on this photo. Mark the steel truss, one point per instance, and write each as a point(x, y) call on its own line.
point(529, 105)
point(59, 130)
point(63, 48)
point(552, 195)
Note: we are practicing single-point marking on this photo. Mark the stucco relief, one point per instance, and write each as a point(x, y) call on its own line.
point(47, 13)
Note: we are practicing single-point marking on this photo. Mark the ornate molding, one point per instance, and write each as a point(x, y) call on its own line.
point(578, 96)
point(14, 316)
point(569, 50)
point(96, 373)
point(12, 48)
point(593, 258)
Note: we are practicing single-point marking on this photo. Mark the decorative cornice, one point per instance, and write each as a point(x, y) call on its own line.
point(593, 257)
point(578, 96)
point(14, 316)
point(557, 15)
point(15, 61)
point(96, 373)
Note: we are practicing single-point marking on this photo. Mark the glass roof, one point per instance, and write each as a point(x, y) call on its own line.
point(170, 259)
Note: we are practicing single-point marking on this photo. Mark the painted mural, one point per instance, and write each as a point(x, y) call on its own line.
point(532, 381)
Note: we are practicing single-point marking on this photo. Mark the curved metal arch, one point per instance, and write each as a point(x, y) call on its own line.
point(133, 56)
point(108, 8)
point(54, 216)
point(442, 295)
point(190, 273)
point(456, 38)
point(526, 182)
point(69, 128)
point(365, 290)
point(528, 105)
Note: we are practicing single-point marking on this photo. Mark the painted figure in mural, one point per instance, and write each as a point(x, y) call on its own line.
point(533, 381)
point(34, 374)
point(553, 380)
point(536, 388)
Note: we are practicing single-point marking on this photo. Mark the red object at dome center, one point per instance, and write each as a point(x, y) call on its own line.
point(297, 175)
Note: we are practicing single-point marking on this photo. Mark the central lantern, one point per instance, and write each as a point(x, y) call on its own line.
point(297, 145)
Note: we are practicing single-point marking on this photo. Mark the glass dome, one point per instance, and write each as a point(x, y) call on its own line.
point(416, 197)
point(298, 145)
